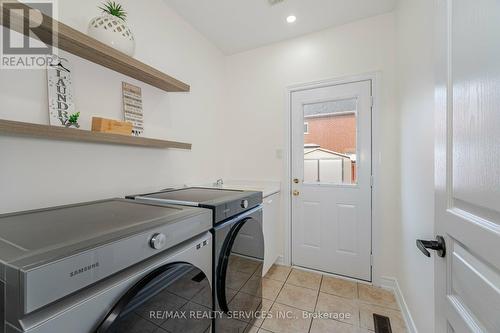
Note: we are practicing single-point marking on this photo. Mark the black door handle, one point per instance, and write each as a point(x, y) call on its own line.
point(437, 245)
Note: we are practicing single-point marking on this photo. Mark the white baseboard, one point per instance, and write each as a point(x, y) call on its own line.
point(280, 260)
point(392, 284)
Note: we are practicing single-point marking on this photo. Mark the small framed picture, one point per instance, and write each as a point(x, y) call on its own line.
point(132, 107)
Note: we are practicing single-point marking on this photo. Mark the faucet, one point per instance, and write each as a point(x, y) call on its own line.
point(219, 182)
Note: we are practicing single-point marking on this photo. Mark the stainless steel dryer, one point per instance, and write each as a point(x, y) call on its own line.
point(107, 266)
point(238, 250)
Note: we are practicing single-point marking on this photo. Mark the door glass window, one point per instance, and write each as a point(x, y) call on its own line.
point(167, 304)
point(330, 142)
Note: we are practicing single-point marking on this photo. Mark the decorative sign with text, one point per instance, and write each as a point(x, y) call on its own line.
point(132, 107)
point(61, 104)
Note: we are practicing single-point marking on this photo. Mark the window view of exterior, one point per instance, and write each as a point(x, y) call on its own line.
point(330, 142)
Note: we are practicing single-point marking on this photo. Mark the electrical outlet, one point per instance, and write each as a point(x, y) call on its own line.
point(279, 154)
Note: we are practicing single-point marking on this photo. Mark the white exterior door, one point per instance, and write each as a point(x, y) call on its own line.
point(468, 166)
point(331, 179)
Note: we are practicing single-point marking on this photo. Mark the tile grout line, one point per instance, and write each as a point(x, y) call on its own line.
point(353, 299)
point(274, 301)
point(283, 286)
point(376, 305)
point(358, 301)
point(240, 290)
point(316, 304)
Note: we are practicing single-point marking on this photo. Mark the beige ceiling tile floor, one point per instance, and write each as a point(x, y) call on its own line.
point(377, 296)
point(278, 272)
point(256, 329)
point(235, 280)
point(204, 297)
point(252, 285)
point(230, 293)
point(325, 325)
point(362, 330)
point(366, 317)
point(229, 325)
point(304, 279)
point(298, 297)
point(244, 302)
point(339, 308)
point(266, 306)
point(339, 287)
point(288, 291)
point(291, 321)
point(271, 288)
point(243, 265)
point(253, 329)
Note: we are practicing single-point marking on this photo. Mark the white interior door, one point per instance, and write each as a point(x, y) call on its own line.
point(468, 166)
point(331, 179)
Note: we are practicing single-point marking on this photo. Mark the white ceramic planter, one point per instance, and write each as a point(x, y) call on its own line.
point(114, 32)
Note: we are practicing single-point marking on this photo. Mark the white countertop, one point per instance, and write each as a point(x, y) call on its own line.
point(266, 187)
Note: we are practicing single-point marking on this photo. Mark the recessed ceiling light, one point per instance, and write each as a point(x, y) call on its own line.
point(275, 2)
point(291, 19)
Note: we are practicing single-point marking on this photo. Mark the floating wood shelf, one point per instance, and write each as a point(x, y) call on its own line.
point(62, 133)
point(79, 44)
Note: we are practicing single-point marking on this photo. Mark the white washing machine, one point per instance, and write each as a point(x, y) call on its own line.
point(108, 266)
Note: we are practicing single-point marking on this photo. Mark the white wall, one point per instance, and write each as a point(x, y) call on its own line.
point(38, 173)
point(416, 104)
point(256, 86)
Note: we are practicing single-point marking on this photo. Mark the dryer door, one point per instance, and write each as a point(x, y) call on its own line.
point(239, 269)
point(173, 298)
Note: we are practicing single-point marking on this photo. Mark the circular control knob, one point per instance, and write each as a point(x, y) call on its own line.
point(244, 203)
point(158, 241)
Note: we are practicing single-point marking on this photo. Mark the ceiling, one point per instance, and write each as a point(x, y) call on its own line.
point(239, 25)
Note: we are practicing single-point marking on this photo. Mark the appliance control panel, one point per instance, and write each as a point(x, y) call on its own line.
point(238, 206)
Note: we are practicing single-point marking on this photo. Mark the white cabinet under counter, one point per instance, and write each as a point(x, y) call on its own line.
point(270, 226)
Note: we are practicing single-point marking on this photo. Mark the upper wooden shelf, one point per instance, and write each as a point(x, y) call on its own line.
point(77, 43)
point(72, 134)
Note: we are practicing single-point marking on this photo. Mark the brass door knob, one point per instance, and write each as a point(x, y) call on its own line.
point(296, 180)
point(295, 192)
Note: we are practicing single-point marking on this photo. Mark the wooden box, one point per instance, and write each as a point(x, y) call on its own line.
point(111, 126)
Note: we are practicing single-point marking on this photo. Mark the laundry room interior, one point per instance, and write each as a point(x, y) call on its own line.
point(237, 166)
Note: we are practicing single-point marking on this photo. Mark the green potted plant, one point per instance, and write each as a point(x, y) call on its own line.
point(111, 29)
point(73, 120)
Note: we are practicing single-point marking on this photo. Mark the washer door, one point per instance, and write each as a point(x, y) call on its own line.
point(239, 272)
point(173, 298)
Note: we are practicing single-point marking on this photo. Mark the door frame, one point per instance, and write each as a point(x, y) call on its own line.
point(375, 78)
point(442, 138)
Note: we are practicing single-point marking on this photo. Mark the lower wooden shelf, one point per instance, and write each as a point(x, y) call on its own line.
point(62, 133)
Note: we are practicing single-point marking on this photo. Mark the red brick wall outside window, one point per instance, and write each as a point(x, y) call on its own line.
point(334, 132)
